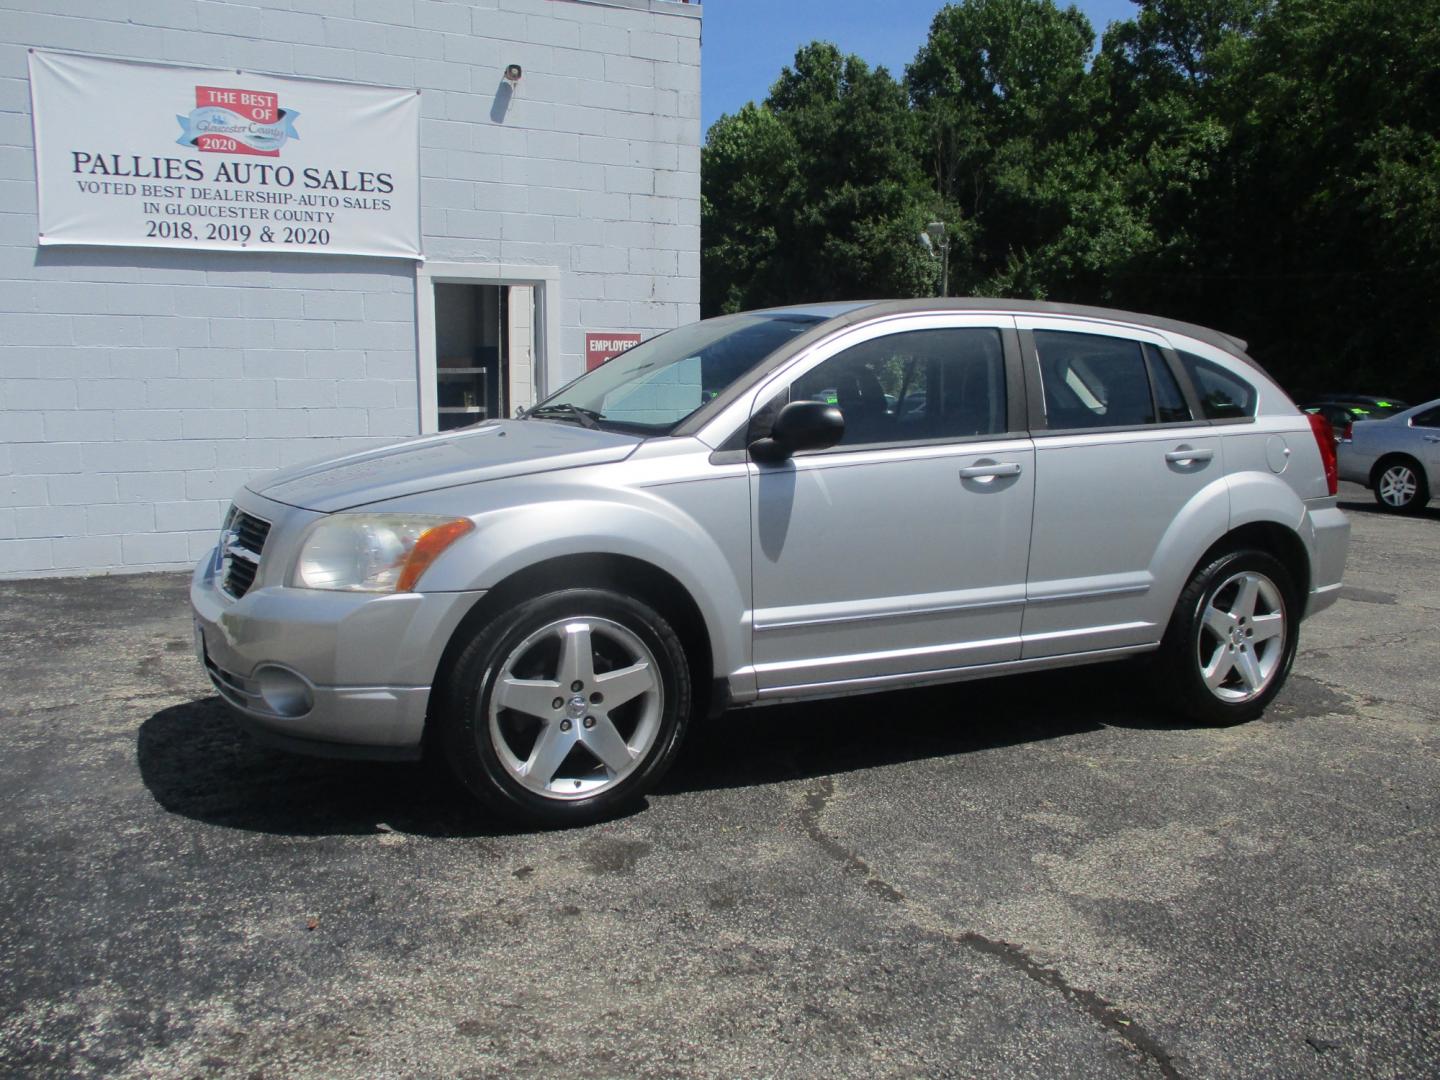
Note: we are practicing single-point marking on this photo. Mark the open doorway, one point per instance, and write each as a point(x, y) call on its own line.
point(485, 340)
point(484, 351)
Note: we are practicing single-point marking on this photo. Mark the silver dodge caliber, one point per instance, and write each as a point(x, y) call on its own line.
point(780, 505)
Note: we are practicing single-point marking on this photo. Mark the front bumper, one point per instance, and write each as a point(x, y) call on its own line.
point(331, 673)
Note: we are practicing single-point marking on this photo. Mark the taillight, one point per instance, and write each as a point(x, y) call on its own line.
point(1348, 434)
point(1325, 439)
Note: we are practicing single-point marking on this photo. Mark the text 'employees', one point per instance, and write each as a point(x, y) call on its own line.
point(262, 174)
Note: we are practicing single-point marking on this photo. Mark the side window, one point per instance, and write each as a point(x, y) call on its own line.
point(1223, 394)
point(914, 386)
point(1428, 418)
point(1093, 381)
point(1168, 399)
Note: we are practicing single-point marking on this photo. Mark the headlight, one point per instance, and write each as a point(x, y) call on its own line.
point(374, 552)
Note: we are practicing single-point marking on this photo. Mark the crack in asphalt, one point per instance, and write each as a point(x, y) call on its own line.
point(1111, 1017)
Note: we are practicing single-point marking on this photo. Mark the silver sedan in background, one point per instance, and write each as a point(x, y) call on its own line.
point(1397, 458)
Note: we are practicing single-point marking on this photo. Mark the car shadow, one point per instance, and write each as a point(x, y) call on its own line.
point(197, 762)
point(823, 738)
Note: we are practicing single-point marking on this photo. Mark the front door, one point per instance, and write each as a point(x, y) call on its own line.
point(902, 549)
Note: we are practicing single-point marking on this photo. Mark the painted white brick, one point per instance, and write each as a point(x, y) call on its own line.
point(181, 454)
point(175, 330)
point(187, 515)
point(39, 394)
point(124, 517)
point(366, 394)
point(86, 552)
point(650, 46)
point(389, 307)
point(212, 424)
point(394, 422)
point(176, 394)
point(139, 424)
point(155, 549)
point(80, 489)
point(306, 393)
point(79, 426)
point(147, 486)
point(115, 457)
point(303, 334)
point(275, 423)
point(343, 421)
point(21, 427)
point(629, 71)
point(216, 484)
point(604, 40)
point(37, 522)
point(453, 18)
point(386, 70)
point(342, 366)
point(25, 556)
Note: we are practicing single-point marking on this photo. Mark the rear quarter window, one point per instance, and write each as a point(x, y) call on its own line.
point(1223, 394)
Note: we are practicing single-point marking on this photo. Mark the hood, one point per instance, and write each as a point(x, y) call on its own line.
point(488, 451)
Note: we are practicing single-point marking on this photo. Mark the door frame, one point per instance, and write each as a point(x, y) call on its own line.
point(545, 280)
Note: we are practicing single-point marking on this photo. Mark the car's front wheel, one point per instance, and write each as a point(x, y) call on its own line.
point(1399, 486)
point(1231, 640)
point(568, 708)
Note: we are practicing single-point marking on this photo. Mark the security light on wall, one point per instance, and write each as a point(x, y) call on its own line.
point(513, 73)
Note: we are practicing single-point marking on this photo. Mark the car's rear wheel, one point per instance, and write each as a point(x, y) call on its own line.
point(1399, 486)
point(567, 709)
point(1232, 639)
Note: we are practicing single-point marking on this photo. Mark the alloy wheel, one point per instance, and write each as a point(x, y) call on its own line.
point(1398, 485)
point(1241, 643)
point(575, 707)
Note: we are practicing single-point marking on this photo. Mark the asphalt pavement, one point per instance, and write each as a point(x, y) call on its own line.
point(1030, 877)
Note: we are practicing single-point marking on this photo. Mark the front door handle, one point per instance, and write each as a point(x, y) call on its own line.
point(991, 471)
point(1188, 456)
point(1432, 438)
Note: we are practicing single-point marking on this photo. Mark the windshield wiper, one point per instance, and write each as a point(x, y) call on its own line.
point(565, 411)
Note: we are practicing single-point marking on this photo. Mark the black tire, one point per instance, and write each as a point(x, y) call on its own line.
point(1399, 486)
point(1190, 646)
point(484, 750)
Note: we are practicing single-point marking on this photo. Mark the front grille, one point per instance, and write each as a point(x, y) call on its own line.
point(241, 545)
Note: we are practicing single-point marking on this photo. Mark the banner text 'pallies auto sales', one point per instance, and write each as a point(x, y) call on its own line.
point(253, 170)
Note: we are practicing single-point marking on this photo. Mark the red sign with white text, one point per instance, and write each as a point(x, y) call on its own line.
point(602, 347)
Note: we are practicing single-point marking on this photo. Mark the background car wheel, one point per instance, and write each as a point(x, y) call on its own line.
point(568, 708)
point(1399, 486)
point(1232, 639)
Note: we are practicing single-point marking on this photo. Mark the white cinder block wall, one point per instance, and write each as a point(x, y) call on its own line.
point(139, 387)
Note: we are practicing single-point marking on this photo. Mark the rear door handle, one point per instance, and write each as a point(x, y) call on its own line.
point(991, 471)
point(1185, 455)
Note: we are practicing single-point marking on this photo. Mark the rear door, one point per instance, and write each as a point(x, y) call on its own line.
point(1120, 463)
point(1427, 426)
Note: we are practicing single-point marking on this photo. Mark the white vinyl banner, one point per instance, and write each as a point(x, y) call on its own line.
point(148, 155)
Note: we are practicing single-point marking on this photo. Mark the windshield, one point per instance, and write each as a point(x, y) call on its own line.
point(652, 387)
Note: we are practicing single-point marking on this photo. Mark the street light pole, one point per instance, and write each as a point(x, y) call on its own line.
point(939, 236)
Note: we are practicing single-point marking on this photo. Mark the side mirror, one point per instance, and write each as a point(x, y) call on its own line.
point(801, 425)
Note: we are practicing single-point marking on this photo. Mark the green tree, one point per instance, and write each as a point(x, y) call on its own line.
point(1334, 218)
point(817, 193)
point(1002, 93)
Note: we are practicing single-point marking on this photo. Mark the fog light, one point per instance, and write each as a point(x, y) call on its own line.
point(284, 692)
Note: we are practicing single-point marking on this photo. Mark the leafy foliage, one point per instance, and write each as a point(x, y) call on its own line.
point(1268, 167)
